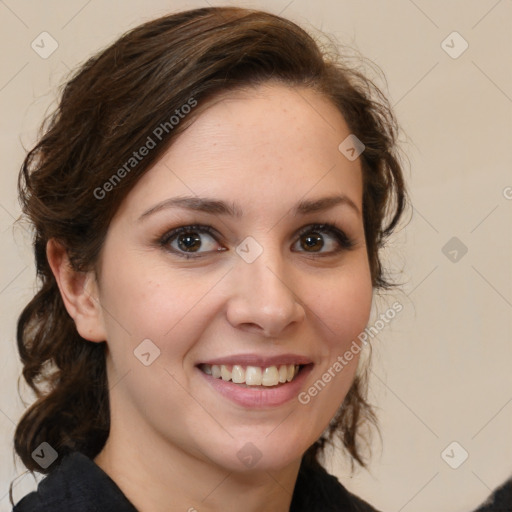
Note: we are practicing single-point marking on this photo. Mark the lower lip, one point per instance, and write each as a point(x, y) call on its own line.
point(259, 397)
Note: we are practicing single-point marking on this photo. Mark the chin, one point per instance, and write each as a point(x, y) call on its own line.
point(268, 453)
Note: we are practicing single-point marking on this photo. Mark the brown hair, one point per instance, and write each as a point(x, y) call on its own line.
point(108, 109)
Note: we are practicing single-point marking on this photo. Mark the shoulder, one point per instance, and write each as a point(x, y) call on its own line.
point(500, 501)
point(317, 490)
point(77, 484)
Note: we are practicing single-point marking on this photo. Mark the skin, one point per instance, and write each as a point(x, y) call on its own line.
point(173, 438)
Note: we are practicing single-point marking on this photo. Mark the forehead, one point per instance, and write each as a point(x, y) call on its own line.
point(256, 147)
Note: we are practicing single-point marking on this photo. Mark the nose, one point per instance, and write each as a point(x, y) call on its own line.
point(263, 299)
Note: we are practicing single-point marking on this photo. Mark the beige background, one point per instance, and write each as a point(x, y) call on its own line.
point(441, 370)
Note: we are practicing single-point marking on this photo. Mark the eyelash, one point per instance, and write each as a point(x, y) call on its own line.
point(345, 242)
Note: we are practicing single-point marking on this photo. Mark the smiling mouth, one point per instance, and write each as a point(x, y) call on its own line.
point(253, 376)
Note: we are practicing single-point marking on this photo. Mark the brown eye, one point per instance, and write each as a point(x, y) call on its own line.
point(322, 239)
point(312, 242)
point(189, 242)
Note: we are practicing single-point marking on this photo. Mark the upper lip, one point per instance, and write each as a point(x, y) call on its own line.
point(259, 360)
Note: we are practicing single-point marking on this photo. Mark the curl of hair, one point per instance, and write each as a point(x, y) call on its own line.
point(107, 110)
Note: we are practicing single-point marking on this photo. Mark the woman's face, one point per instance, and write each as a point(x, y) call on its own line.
point(224, 254)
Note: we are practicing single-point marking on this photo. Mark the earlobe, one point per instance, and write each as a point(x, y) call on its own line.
point(79, 292)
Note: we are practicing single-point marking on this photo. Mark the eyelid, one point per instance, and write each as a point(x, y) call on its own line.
point(203, 228)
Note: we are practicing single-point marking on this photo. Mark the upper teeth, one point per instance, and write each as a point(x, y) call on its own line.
point(252, 375)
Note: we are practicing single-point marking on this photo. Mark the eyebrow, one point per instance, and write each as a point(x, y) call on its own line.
point(324, 203)
point(217, 207)
point(200, 204)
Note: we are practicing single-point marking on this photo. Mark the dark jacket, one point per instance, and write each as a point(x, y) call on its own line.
point(500, 501)
point(78, 484)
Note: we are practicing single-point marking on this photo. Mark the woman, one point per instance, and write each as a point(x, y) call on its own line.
point(209, 201)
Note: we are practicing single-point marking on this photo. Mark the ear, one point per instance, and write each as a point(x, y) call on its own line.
point(79, 291)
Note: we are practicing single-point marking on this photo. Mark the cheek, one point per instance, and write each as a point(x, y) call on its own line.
point(342, 306)
point(143, 301)
point(340, 312)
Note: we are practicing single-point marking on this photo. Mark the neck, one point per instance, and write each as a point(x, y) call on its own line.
point(154, 474)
